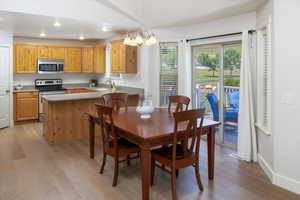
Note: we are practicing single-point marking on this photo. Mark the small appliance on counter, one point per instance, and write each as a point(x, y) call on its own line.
point(48, 87)
point(18, 87)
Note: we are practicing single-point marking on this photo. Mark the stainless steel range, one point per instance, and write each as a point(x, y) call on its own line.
point(48, 87)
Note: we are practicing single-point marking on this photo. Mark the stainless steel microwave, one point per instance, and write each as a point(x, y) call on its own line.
point(46, 66)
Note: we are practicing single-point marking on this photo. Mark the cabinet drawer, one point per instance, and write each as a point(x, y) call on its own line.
point(22, 95)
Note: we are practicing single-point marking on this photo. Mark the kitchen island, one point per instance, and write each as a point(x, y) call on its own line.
point(64, 114)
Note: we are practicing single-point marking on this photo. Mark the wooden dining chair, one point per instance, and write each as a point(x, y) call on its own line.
point(180, 101)
point(187, 128)
point(113, 145)
point(115, 100)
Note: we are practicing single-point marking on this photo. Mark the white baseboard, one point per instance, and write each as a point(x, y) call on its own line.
point(266, 167)
point(287, 183)
point(278, 179)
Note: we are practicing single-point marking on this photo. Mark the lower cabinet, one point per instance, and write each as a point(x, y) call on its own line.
point(25, 106)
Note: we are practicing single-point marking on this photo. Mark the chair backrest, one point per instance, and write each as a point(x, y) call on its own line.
point(109, 135)
point(213, 101)
point(234, 99)
point(193, 120)
point(115, 100)
point(180, 101)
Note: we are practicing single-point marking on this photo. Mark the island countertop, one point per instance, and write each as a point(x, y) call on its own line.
point(98, 92)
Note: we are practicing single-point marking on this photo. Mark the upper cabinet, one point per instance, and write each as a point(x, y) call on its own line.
point(123, 58)
point(73, 60)
point(51, 52)
point(44, 52)
point(57, 52)
point(25, 58)
point(88, 59)
point(99, 59)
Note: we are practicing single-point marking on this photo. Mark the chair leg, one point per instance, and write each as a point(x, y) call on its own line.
point(177, 172)
point(116, 172)
point(198, 176)
point(152, 171)
point(128, 160)
point(103, 163)
point(173, 179)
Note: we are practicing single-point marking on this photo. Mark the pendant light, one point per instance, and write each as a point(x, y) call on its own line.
point(140, 37)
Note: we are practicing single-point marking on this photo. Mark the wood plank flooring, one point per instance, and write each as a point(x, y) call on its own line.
point(30, 169)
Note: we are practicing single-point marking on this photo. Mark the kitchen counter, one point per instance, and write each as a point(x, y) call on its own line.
point(100, 91)
point(26, 88)
point(64, 114)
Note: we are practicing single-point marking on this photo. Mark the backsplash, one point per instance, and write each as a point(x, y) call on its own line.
point(28, 79)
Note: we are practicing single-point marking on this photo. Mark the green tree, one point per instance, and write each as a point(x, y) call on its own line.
point(232, 59)
point(212, 63)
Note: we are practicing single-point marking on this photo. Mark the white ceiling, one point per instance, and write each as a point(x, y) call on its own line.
point(30, 17)
point(27, 25)
point(168, 13)
point(87, 17)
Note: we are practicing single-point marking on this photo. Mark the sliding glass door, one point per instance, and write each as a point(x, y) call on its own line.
point(215, 85)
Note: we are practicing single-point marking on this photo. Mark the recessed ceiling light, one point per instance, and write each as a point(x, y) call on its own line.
point(104, 28)
point(57, 24)
point(81, 38)
point(43, 34)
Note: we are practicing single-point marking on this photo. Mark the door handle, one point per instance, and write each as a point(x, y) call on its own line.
point(7, 91)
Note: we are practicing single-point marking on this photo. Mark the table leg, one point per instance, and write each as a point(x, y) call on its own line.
point(146, 171)
point(211, 152)
point(92, 137)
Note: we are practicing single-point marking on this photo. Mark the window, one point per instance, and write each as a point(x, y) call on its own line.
point(168, 71)
point(266, 77)
point(264, 80)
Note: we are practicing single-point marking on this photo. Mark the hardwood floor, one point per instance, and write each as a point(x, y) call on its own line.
point(30, 169)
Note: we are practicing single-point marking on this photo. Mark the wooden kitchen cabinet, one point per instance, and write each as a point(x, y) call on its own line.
point(123, 58)
point(25, 106)
point(77, 59)
point(57, 52)
point(44, 52)
point(79, 90)
point(99, 59)
point(51, 52)
point(73, 60)
point(88, 59)
point(25, 58)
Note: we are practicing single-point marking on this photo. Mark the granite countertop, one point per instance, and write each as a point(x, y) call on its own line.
point(100, 87)
point(101, 90)
point(26, 88)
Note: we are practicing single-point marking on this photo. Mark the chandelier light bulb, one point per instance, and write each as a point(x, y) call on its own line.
point(138, 39)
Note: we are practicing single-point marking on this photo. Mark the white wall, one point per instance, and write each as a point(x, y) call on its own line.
point(216, 27)
point(286, 93)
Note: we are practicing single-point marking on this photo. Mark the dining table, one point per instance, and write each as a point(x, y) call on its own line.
point(151, 133)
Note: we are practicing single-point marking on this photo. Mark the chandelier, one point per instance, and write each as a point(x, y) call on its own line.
point(140, 38)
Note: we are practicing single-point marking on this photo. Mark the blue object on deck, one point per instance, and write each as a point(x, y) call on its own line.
point(230, 115)
point(234, 99)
